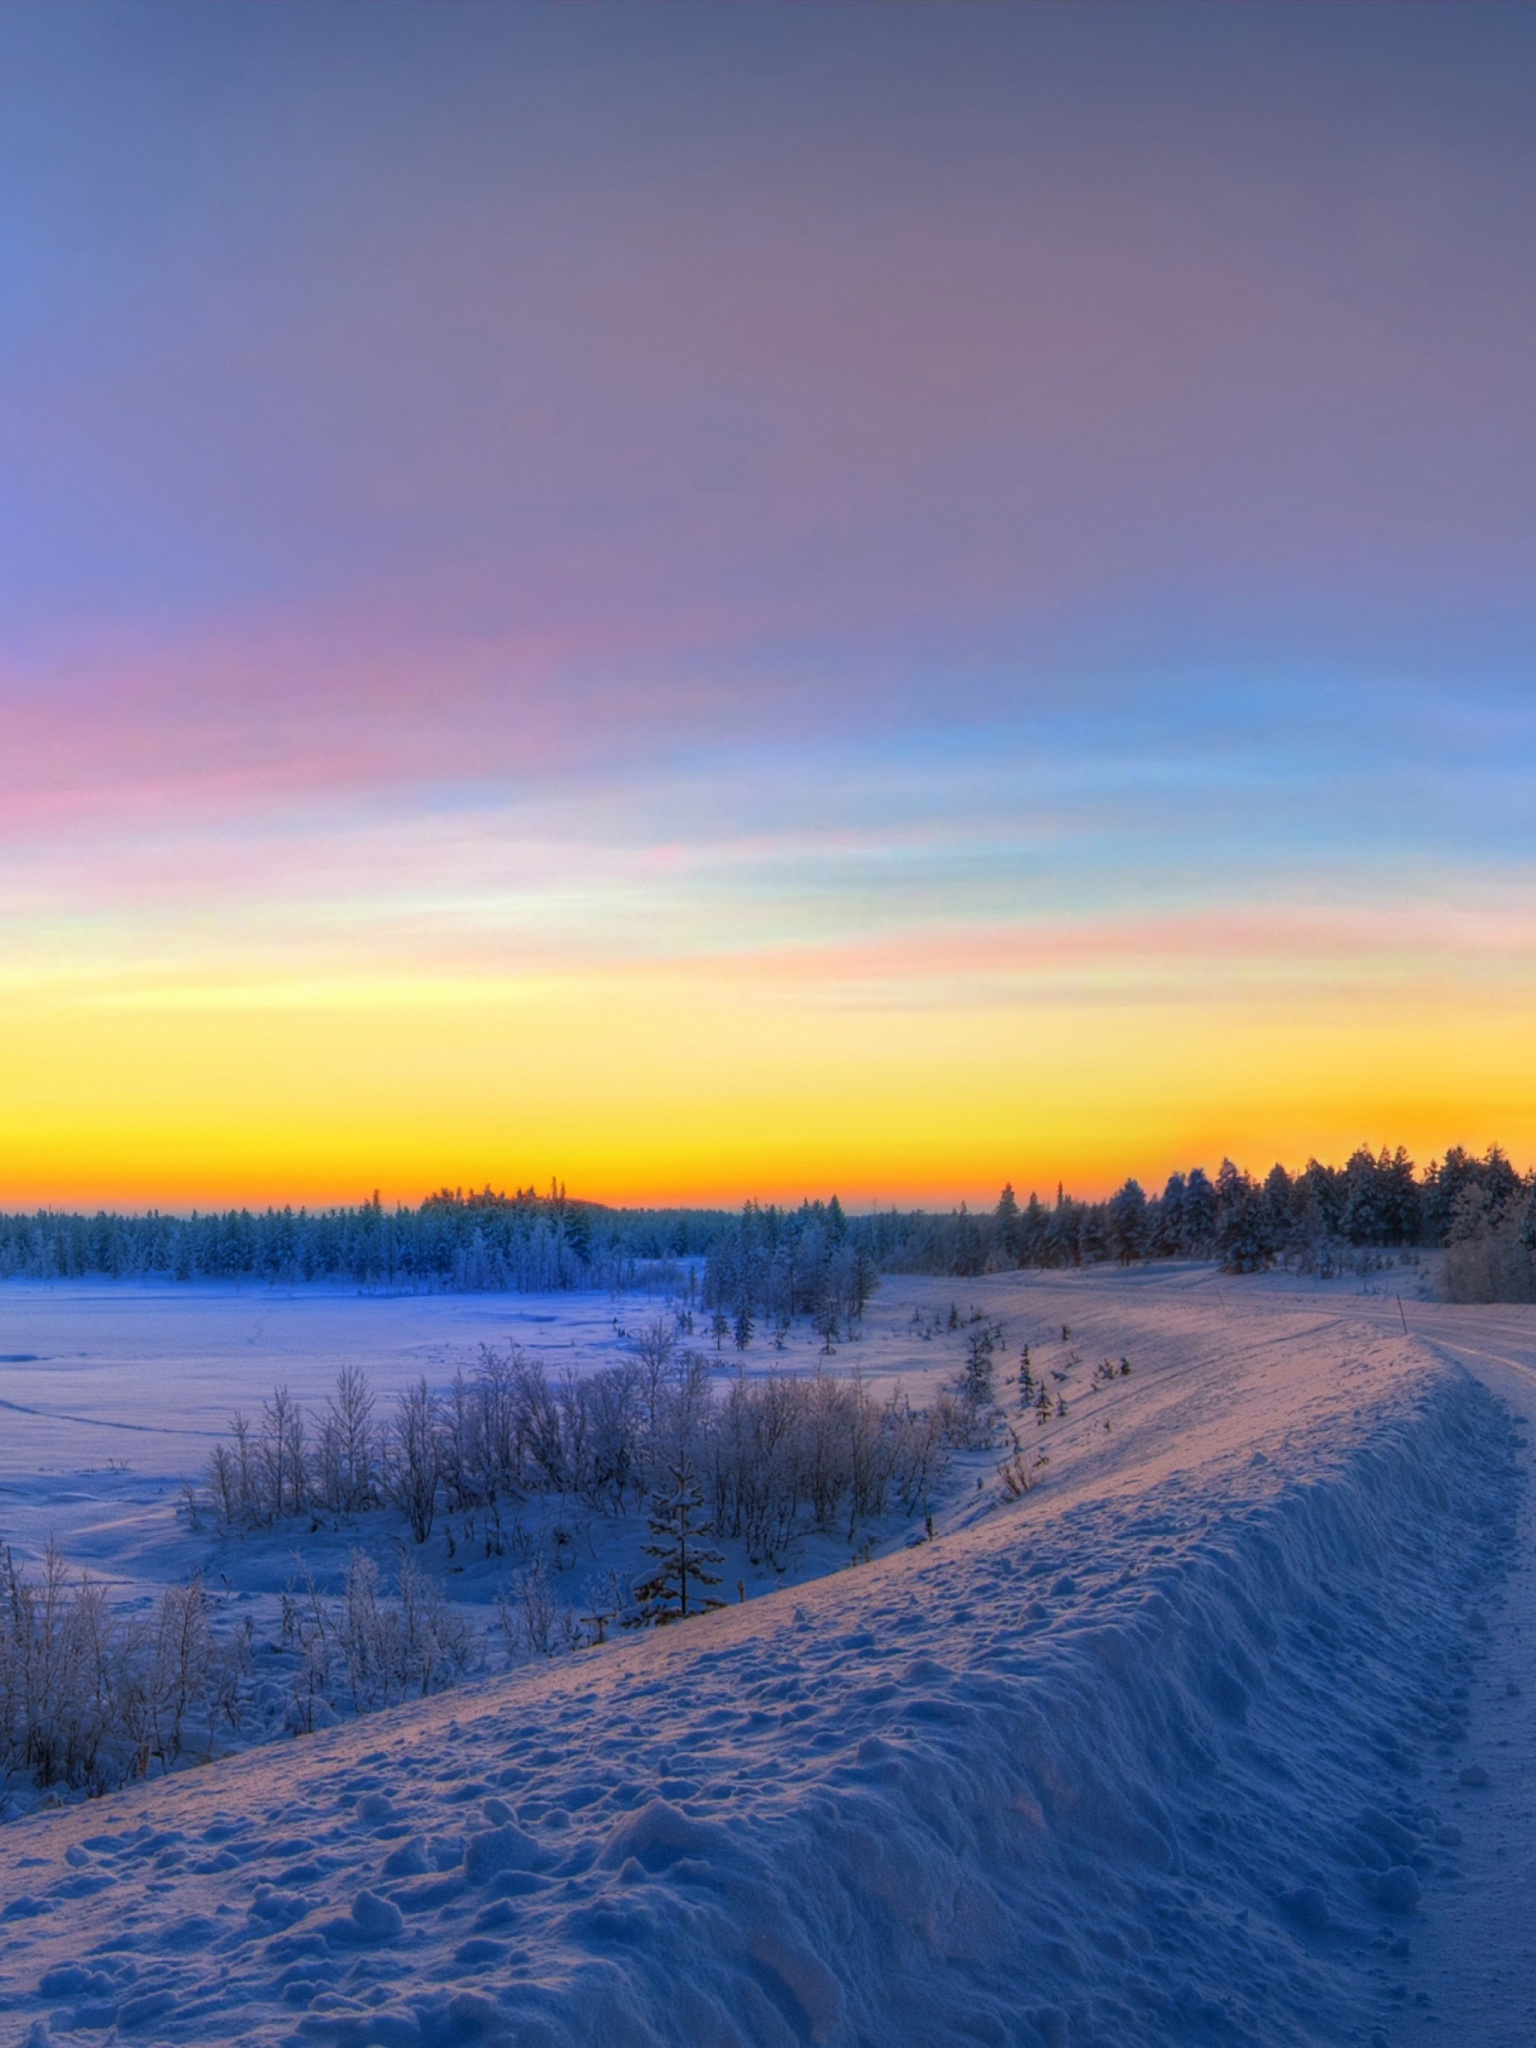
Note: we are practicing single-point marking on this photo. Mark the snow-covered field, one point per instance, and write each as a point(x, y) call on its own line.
point(112, 1400)
point(1199, 1740)
point(111, 1396)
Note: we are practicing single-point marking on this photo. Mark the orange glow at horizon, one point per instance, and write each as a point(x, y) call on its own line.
point(708, 1082)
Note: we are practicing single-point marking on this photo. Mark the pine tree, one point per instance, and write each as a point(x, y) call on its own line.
point(1363, 1219)
point(1199, 1214)
point(1242, 1240)
point(976, 1388)
point(1128, 1223)
point(678, 1529)
point(1006, 1215)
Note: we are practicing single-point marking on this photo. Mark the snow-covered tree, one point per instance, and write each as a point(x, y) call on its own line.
point(1199, 1222)
point(1127, 1231)
point(976, 1386)
point(412, 1468)
point(1009, 1223)
point(679, 1529)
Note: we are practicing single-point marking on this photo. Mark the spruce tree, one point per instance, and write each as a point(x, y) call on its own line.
point(1128, 1223)
point(1006, 1215)
point(678, 1529)
point(1199, 1220)
point(976, 1381)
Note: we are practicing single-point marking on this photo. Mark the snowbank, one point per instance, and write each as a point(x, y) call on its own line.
point(1139, 1762)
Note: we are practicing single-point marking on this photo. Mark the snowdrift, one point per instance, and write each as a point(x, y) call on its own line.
point(1137, 1763)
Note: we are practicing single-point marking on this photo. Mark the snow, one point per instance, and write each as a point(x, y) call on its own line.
point(149, 1374)
point(1470, 1956)
point(112, 1397)
point(111, 1394)
point(1167, 1751)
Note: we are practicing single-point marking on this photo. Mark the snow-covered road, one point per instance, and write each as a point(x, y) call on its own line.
point(1472, 1961)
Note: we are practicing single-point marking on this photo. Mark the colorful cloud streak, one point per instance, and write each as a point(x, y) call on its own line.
point(728, 600)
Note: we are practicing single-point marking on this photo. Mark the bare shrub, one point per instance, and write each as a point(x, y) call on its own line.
point(347, 1455)
point(89, 1701)
point(530, 1611)
point(774, 1457)
point(412, 1458)
point(1021, 1474)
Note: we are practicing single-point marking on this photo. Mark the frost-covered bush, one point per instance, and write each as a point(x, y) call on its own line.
point(369, 1651)
point(774, 1456)
point(90, 1700)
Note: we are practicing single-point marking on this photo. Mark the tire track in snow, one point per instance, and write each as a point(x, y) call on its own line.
point(1469, 1963)
point(103, 1422)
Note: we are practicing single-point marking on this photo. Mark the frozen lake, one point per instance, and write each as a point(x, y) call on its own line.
point(93, 1373)
point(111, 1396)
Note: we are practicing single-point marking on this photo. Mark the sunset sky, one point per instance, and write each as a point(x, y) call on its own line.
point(744, 600)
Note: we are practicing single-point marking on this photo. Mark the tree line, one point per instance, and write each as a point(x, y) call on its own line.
point(524, 1242)
point(1311, 1221)
point(764, 1266)
point(768, 1266)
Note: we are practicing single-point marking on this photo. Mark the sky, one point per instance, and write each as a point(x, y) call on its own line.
point(743, 601)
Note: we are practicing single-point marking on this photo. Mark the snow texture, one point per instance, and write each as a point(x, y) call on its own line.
point(1155, 1754)
point(1469, 1956)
